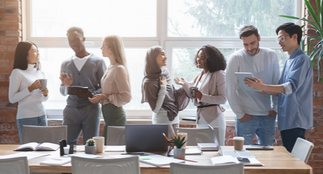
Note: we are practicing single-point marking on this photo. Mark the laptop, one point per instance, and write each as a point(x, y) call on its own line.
point(210, 146)
point(146, 137)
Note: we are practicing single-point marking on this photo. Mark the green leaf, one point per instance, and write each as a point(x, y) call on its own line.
point(290, 17)
point(308, 47)
point(318, 65)
point(312, 13)
point(321, 13)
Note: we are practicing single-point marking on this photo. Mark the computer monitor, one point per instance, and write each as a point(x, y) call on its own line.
point(146, 137)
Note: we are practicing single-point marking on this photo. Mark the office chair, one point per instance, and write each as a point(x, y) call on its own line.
point(302, 149)
point(199, 135)
point(115, 135)
point(40, 134)
point(179, 168)
point(17, 165)
point(127, 165)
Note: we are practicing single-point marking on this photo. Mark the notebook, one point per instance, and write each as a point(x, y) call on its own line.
point(243, 156)
point(210, 146)
point(241, 76)
point(146, 137)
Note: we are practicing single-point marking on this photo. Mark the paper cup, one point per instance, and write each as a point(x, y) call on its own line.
point(238, 143)
point(99, 144)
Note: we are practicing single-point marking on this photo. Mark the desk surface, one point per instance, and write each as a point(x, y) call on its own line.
point(278, 161)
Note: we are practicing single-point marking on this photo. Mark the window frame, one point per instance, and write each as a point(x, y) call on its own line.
point(168, 43)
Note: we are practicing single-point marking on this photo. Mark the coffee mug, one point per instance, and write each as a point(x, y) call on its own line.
point(192, 91)
point(43, 83)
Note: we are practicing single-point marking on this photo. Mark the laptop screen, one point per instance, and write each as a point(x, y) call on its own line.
point(213, 135)
point(146, 137)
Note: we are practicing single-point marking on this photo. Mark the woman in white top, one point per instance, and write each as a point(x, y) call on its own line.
point(211, 89)
point(164, 100)
point(24, 87)
point(115, 84)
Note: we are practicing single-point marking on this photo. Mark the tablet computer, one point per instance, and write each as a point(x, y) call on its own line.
point(71, 89)
point(241, 76)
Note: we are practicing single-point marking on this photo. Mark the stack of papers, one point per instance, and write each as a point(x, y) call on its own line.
point(56, 161)
point(226, 159)
point(191, 151)
point(207, 146)
point(158, 160)
point(115, 148)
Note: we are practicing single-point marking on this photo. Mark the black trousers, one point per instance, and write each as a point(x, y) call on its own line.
point(290, 136)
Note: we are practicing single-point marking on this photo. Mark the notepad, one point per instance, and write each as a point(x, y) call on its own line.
point(33, 146)
point(190, 151)
point(241, 76)
point(159, 160)
point(56, 161)
point(227, 159)
point(207, 146)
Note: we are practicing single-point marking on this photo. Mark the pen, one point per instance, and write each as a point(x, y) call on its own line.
point(175, 134)
point(187, 160)
point(165, 137)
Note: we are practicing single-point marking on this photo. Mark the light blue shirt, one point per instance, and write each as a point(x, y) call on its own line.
point(295, 107)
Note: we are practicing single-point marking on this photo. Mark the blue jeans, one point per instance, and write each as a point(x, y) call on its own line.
point(35, 121)
point(262, 126)
point(290, 136)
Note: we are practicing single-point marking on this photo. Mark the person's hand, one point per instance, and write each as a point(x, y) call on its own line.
point(95, 99)
point(180, 81)
point(45, 92)
point(272, 113)
point(162, 81)
point(82, 94)
point(245, 118)
point(198, 94)
point(66, 80)
point(255, 83)
point(34, 85)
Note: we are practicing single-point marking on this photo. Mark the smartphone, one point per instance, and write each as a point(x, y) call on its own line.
point(192, 91)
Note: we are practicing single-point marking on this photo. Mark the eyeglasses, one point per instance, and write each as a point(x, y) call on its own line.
point(281, 38)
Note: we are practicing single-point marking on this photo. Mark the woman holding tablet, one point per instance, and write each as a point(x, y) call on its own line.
point(24, 87)
point(115, 84)
point(210, 92)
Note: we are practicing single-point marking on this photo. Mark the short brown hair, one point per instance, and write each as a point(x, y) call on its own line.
point(75, 29)
point(248, 30)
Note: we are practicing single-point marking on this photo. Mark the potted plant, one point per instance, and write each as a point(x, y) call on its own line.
point(179, 150)
point(317, 25)
point(90, 147)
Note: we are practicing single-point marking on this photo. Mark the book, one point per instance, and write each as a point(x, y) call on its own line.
point(227, 159)
point(56, 161)
point(33, 146)
point(207, 146)
point(190, 151)
point(241, 76)
point(71, 89)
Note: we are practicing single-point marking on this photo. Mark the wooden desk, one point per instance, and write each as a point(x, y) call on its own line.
point(277, 161)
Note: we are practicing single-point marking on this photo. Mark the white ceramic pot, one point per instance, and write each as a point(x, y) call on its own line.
point(179, 153)
point(90, 149)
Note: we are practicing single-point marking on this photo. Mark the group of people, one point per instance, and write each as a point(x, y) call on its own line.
point(255, 111)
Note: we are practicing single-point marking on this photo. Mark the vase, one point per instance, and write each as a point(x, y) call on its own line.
point(179, 152)
point(90, 149)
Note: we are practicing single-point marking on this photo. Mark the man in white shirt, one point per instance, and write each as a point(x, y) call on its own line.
point(86, 70)
point(255, 112)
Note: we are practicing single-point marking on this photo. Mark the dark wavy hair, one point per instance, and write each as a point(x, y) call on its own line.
point(214, 59)
point(21, 55)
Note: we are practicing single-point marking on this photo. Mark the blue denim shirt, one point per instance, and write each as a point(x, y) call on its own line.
point(295, 108)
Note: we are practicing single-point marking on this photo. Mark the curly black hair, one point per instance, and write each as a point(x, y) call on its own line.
point(214, 59)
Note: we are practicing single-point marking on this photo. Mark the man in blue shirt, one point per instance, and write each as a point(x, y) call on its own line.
point(295, 89)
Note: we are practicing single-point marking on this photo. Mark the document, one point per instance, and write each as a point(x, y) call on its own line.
point(56, 161)
point(33, 146)
point(29, 155)
point(227, 159)
point(154, 159)
point(241, 76)
point(115, 148)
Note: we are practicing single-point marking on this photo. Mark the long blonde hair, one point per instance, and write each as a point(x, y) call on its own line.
point(116, 44)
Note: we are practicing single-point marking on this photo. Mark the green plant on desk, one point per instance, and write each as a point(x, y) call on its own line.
point(179, 141)
point(90, 142)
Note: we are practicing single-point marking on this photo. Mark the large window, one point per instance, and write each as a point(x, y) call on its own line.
point(181, 27)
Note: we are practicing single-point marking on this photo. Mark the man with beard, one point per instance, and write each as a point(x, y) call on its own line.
point(86, 70)
point(255, 112)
